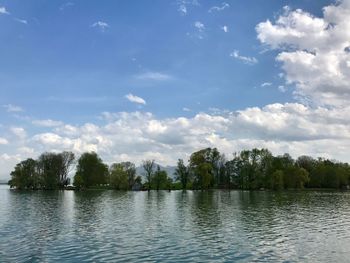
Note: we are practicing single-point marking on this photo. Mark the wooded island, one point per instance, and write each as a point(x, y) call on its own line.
point(207, 169)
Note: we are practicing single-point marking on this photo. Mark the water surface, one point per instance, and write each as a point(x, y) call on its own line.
point(214, 226)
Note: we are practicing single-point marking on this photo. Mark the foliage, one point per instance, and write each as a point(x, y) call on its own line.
point(50, 171)
point(160, 180)
point(118, 177)
point(91, 171)
point(182, 174)
point(207, 168)
point(148, 166)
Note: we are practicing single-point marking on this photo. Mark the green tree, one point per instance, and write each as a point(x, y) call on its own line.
point(204, 176)
point(54, 168)
point(232, 170)
point(277, 180)
point(148, 166)
point(130, 170)
point(182, 173)
point(118, 177)
point(25, 175)
point(295, 177)
point(160, 179)
point(201, 166)
point(50, 165)
point(78, 181)
point(91, 171)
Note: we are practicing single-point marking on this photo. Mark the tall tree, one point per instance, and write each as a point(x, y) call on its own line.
point(25, 175)
point(130, 170)
point(118, 177)
point(148, 166)
point(50, 168)
point(182, 173)
point(91, 171)
point(160, 179)
point(66, 167)
point(201, 165)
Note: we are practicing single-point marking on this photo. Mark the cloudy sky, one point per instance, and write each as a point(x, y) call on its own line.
point(159, 79)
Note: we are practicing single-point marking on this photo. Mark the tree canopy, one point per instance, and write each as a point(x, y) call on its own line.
point(206, 169)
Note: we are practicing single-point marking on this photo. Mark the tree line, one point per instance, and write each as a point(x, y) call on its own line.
point(206, 169)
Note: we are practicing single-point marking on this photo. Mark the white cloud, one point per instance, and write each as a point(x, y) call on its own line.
point(12, 108)
point(225, 28)
point(19, 132)
point(134, 136)
point(66, 5)
point(22, 21)
point(290, 127)
point(3, 141)
point(7, 163)
point(135, 99)
point(51, 139)
point(246, 60)
point(182, 9)
point(266, 84)
point(101, 25)
point(184, 4)
point(313, 52)
point(155, 76)
point(47, 123)
point(186, 109)
point(199, 25)
point(282, 88)
point(3, 10)
point(314, 58)
point(199, 30)
point(219, 8)
point(26, 151)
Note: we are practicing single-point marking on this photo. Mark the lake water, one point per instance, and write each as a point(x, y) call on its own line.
point(194, 226)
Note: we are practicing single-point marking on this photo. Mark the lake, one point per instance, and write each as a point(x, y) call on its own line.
point(192, 226)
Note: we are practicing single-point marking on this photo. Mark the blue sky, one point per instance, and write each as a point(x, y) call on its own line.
point(57, 63)
point(86, 62)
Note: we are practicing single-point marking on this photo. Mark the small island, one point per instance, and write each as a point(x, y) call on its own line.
point(255, 169)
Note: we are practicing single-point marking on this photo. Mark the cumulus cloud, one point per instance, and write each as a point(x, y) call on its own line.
point(12, 108)
point(313, 52)
point(3, 11)
point(7, 162)
point(19, 132)
point(134, 136)
point(100, 25)
point(246, 60)
point(282, 88)
point(135, 99)
point(47, 123)
point(219, 8)
point(282, 125)
point(3, 141)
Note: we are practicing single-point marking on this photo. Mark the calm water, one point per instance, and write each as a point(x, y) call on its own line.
point(217, 226)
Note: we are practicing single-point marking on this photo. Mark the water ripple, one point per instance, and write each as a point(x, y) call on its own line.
point(192, 226)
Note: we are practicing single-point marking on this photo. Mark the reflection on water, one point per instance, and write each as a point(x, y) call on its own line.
point(211, 226)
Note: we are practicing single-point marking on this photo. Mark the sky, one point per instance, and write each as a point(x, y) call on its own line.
point(135, 80)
